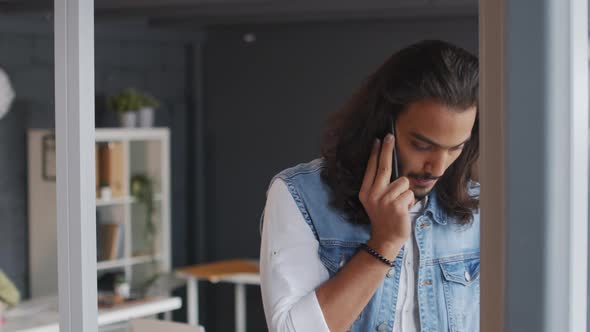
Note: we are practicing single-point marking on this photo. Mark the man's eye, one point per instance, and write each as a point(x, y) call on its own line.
point(420, 147)
point(458, 148)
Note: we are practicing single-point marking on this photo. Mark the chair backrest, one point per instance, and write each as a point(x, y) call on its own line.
point(153, 325)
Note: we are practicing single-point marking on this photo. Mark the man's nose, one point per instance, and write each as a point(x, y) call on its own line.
point(436, 164)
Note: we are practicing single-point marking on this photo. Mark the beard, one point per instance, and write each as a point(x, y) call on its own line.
point(421, 192)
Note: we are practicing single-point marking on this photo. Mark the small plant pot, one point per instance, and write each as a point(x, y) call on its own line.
point(146, 117)
point(128, 119)
point(123, 290)
point(106, 193)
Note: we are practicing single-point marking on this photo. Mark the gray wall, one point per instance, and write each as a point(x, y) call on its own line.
point(265, 104)
point(28, 60)
point(26, 53)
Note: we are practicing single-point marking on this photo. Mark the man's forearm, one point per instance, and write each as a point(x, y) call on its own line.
point(343, 297)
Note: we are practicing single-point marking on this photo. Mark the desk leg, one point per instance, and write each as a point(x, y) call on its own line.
point(193, 301)
point(240, 303)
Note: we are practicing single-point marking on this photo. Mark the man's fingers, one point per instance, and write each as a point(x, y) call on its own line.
point(406, 199)
point(370, 170)
point(383, 177)
point(396, 188)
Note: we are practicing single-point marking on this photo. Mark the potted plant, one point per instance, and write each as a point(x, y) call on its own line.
point(122, 287)
point(146, 112)
point(142, 190)
point(105, 190)
point(127, 104)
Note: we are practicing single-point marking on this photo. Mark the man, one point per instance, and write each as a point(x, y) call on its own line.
point(347, 246)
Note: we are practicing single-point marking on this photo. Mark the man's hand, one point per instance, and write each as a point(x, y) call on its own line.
point(387, 203)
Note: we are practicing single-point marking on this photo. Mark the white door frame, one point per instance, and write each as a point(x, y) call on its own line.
point(534, 164)
point(74, 129)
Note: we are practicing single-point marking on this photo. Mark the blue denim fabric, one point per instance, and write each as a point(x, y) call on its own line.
point(448, 275)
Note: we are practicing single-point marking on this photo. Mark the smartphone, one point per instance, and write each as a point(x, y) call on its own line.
point(395, 174)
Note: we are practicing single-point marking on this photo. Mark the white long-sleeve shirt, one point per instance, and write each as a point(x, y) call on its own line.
point(291, 270)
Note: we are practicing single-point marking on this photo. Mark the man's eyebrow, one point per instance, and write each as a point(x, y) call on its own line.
point(431, 142)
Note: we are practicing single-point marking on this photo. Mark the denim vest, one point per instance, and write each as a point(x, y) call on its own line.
point(448, 274)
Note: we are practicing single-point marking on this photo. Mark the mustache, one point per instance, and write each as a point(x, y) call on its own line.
point(424, 177)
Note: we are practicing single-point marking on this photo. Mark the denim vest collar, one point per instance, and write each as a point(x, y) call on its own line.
point(433, 208)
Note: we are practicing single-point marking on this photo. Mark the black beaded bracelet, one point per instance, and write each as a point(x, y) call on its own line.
point(377, 255)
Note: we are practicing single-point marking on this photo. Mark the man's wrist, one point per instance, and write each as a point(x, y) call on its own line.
point(388, 249)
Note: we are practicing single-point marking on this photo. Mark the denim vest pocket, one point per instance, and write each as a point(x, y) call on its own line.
point(461, 290)
point(334, 254)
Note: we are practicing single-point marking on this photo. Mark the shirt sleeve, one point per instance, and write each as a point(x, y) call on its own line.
point(290, 268)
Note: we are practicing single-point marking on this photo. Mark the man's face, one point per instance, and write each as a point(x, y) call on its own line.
point(429, 138)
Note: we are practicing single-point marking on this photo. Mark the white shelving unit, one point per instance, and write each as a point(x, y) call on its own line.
point(145, 152)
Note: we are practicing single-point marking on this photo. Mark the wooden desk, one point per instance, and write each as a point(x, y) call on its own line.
point(239, 272)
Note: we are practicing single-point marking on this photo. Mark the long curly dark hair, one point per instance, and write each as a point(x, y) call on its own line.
point(428, 70)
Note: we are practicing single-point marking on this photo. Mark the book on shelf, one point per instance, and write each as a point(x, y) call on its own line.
point(110, 168)
point(110, 241)
point(96, 167)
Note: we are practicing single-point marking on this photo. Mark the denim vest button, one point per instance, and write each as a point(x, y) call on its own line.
point(467, 276)
point(391, 272)
point(382, 327)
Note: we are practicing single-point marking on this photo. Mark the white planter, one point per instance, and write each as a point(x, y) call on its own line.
point(129, 119)
point(146, 117)
point(106, 193)
point(123, 290)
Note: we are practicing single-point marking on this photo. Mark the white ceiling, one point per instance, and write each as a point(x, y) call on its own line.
point(242, 11)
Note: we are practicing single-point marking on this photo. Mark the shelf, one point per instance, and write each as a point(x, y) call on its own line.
point(43, 318)
point(119, 263)
point(114, 201)
point(147, 308)
point(130, 134)
point(122, 200)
